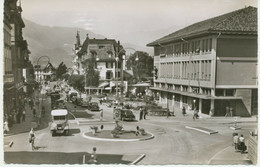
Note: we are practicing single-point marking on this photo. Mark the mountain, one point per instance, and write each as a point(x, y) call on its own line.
point(54, 42)
point(57, 42)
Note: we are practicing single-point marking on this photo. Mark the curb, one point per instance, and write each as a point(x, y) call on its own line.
point(200, 130)
point(116, 140)
point(138, 159)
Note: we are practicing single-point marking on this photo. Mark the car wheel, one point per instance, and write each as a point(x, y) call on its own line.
point(52, 133)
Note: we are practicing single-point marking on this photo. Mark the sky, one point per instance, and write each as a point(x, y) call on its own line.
point(123, 18)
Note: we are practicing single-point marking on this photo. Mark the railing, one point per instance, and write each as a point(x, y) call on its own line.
point(252, 148)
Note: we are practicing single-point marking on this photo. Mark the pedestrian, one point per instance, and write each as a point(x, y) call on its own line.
point(93, 156)
point(100, 101)
point(241, 144)
point(32, 138)
point(43, 110)
point(195, 115)
point(235, 141)
point(34, 112)
point(145, 113)
point(231, 111)
point(101, 114)
point(168, 113)
point(23, 115)
point(227, 111)
point(183, 111)
point(141, 113)
point(6, 127)
point(31, 103)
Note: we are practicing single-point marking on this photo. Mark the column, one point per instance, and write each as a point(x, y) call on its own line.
point(181, 101)
point(212, 104)
point(200, 106)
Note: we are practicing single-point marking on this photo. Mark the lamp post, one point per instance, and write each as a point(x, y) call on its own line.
point(117, 59)
point(121, 69)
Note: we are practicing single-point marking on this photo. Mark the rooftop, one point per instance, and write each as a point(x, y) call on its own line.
point(242, 21)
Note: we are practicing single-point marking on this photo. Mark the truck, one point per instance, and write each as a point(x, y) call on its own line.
point(59, 124)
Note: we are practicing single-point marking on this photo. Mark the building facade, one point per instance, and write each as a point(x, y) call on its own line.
point(9, 84)
point(106, 53)
point(210, 65)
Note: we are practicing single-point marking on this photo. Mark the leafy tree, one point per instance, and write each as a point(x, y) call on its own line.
point(77, 81)
point(143, 67)
point(92, 75)
point(62, 69)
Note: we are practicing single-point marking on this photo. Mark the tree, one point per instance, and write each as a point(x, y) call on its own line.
point(92, 75)
point(62, 69)
point(143, 67)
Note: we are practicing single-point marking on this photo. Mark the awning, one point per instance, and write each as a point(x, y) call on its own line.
point(201, 96)
point(103, 84)
point(141, 85)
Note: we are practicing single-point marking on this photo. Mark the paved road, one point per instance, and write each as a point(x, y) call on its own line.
point(173, 143)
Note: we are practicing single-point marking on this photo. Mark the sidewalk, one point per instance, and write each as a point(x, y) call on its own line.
point(231, 157)
point(30, 121)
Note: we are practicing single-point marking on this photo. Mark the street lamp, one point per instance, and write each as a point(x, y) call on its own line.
point(117, 59)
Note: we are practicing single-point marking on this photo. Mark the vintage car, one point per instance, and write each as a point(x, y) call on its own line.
point(85, 104)
point(123, 114)
point(59, 123)
point(77, 100)
point(94, 106)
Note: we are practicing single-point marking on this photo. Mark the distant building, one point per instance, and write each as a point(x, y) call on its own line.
point(211, 64)
point(44, 73)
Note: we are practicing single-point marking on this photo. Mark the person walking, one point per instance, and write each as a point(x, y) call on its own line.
point(195, 115)
point(23, 115)
point(32, 138)
point(183, 111)
point(227, 111)
point(241, 144)
point(141, 113)
point(231, 111)
point(235, 141)
point(101, 114)
point(93, 156)
point(34, 112)
point(6, 127)
point(145, 113)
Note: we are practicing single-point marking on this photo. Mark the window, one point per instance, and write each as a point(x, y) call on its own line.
point(109, 65)
point(230, 92)
point(219, 92)
point(109, 75)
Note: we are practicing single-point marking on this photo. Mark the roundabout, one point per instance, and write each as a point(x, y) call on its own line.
point(126, 136)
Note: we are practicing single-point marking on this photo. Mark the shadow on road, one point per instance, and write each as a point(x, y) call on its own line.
point(36, 157)
point(39, 147)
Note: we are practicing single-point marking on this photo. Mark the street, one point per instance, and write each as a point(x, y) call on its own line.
point(173, 143)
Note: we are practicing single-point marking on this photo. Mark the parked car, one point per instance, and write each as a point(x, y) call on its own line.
point(94, 106)
point(85, 104)
point(77, 100)
point(123, 114)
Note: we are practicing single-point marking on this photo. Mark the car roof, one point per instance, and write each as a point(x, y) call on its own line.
point(59, 112)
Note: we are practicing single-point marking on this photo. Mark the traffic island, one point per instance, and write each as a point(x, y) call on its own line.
point(203, 130)
point(128, 136)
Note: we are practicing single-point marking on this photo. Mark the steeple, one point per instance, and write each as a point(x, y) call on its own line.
point(78, 40)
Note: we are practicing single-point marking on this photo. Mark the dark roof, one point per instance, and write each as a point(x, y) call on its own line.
point(96, 41)
point(239, 21)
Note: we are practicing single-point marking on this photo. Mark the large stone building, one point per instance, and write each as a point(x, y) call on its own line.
point(211, 64)
point(17, 65)
point(107, 60)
